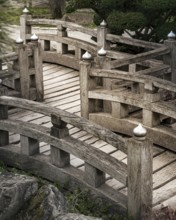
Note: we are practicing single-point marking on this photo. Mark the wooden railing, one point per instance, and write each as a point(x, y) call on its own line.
point(115, 106)
point(21, 71)
point(56, 167)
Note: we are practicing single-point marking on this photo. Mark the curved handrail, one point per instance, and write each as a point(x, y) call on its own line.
point(71, 26)
point(69, 118)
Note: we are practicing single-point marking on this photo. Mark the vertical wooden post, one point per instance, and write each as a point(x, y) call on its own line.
point(25, 29)
point(151, 94)
point(86, 83)
point(119, 110)
point(4, 135)
point(23, 65)
point(59, 157)
point(62, 48)
point(29, 146)
point(140, 175)
point(94, 176)
point(170, 59)
point(101, 36)
point(38, 65)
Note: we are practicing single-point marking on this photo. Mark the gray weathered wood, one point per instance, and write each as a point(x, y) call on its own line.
point(29, 146)
point(140, 178)
point(91, 155)
point(24, 27)
point(38, 71)
point(59, 157)
point(94, 176)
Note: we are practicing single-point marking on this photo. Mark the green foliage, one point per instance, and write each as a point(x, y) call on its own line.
point(82, 201)
point(148, 20)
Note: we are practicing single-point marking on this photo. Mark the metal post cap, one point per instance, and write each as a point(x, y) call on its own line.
point(171, 35)
point(140, 132)
point(25, 11)
point(103, 23)
point(34, 37)
point(87, 56)
point(19, 40)
point(102, 52)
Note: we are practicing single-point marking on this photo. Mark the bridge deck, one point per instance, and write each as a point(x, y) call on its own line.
point(61, 86)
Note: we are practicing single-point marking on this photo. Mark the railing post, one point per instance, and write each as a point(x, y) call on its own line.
point(140, 175)
point(170, 59)
point(151, 94)
point(38, 65)
point(29, 146)
point(22, 65)
point(59, 157)
point(24, 28)
point(4, 135)
point(101, 36)
point(94, 176)
point(62, 48)
point(86, 83)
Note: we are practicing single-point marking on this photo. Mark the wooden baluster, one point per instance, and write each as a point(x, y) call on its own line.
point(46, 45)
point(79, 53)
point(86, 83)
point(59, 157)
point(25, 29)
point(169, 59)
point(29, 146)
point(119, 110)
point(152, 95)
point(4, 135)
point(101, 36)
point(62, 48)
point(38, 65)
point(140, 162)
point(94, 176)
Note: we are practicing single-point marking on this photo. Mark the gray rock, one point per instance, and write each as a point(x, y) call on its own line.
point(15, 190)
point(48, 203)
point(72, 216)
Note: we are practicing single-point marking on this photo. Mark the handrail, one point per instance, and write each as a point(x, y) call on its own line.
point(69, 118)
point(71, 26)
point(133, 42)
point(9, 57)
point(93, 156)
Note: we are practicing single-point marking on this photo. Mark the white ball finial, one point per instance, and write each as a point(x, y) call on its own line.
point(171, 36)
point(34, 37)
point(103, 23)
point(140, 132)
point(19, 41)
point(102, 52)
point(87, 56)
point(25, 11)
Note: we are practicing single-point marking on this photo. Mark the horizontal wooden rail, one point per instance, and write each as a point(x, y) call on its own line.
point(132, 42)
point(140, 57)
point(71, 26)
point(69, 118)
point(70, 41)
point(9, 57)
point(93, 156)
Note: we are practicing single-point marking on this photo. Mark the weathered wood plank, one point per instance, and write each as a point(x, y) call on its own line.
point(107, 163)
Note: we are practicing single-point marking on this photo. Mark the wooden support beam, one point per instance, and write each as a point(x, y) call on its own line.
point(61, 47)
point(140, 158)
point(86, 83)
point(29, 146)
point(4, 135)
point(94, 176)
point(59, 157)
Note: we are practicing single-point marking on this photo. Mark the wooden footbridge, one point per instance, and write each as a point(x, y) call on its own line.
point(113, 92)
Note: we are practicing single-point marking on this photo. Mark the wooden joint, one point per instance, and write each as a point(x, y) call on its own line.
point(57, 122)
point(94, 176)
point(59, 132)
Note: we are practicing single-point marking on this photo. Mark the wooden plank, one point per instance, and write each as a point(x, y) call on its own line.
point(164, 175)
point(165, 192)
point(163, 160)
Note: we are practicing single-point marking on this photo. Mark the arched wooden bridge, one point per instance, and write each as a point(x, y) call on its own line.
point(115, 90)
